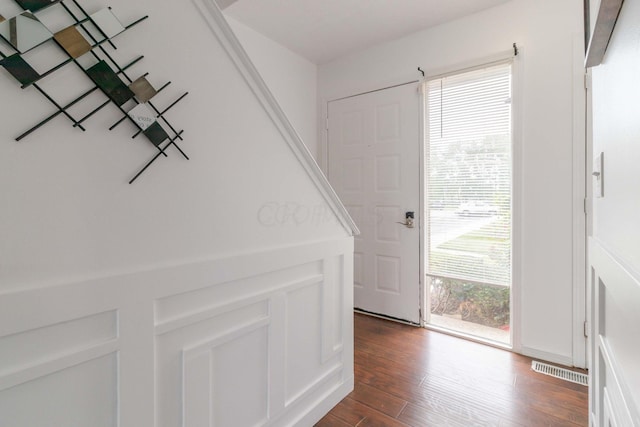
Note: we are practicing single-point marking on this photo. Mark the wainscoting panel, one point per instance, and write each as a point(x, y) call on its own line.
point(84, 394)
point(36, 347)
point(232, 397)
point(615, 343)
point(262, 339)
point(303, 353)
point(189, 359)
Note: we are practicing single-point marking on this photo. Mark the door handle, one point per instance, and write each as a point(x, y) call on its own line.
point(409, 217)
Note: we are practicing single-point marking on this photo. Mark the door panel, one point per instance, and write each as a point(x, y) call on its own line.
point(374, 166)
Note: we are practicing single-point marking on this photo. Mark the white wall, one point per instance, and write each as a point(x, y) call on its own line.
point(67, 211)
point(549, 33)
point(176, 300)
point(616, 130)
point(614, 248)
point(291, 78)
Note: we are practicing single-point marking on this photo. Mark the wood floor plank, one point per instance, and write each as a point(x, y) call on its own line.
point(408, 376)
point(393, 385)
point(410, 372)
point(330, 420)
point(558, 403)
point(443, 415)
point(368, 416)
point(529, 417)
point(347, 412)
point(377, 399)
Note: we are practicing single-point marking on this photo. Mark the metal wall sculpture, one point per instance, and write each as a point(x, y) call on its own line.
point(86, 43)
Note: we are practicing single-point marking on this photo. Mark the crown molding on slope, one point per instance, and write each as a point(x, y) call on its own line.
point(223, 4)
point(223, 32)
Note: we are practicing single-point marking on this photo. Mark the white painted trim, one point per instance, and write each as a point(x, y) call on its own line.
point(225, 337)
point(223, 4)
point(221, 29)
point(202, 273)
point(381, 85)
point(590, 215)
point(380, 89)
point(324, 405)
point(517, 199)
point(333, 370)
point(423, 202)
point(323, 135)
point(43, 368)
point(517, 182)
point(615, 386)
point(469, 337)
point(590, 297)
point(166, 326)
point(620, 283)
point(579, 216)
point(158, 316)
point(473, 64)
point(547, 357)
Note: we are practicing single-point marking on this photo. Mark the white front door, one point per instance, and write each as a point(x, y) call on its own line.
point(374, 166)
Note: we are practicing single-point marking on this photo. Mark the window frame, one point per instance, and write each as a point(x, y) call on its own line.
point(516, 184)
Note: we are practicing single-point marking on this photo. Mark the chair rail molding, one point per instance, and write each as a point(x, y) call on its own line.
point(260, 339)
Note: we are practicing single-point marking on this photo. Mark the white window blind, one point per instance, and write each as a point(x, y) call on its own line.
point(468, 180)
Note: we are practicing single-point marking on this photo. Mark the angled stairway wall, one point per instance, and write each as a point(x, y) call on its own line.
point(214, 289)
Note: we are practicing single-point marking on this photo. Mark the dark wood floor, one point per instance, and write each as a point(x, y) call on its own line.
point(407, 376)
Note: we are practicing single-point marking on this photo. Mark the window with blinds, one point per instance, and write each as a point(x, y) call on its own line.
point(468, 175)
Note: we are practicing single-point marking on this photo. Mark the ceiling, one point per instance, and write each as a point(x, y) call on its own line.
point(323, 30)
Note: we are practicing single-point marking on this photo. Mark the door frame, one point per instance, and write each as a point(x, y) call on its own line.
point(581, 219)
point(581, 185)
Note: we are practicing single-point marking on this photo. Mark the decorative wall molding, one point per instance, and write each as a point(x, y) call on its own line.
point(614, 372)
point(272, 327)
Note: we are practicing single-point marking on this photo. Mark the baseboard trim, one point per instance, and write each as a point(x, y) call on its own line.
point(547, 357)
point(382, 316)
point(327, 404)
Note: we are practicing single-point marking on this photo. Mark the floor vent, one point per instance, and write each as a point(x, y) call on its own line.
point(563, 374)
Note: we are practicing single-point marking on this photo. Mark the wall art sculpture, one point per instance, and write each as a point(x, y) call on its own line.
point(86, 43)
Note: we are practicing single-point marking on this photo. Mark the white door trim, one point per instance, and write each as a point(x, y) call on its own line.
point(517, 182)
point(579, 204)
point(517, 202)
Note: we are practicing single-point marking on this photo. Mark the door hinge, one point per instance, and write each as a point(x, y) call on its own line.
point(326, 124)
point(586, 205)
point(586, 329)
point(587, 81)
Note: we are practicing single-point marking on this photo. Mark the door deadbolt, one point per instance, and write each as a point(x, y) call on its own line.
point(409, 217)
